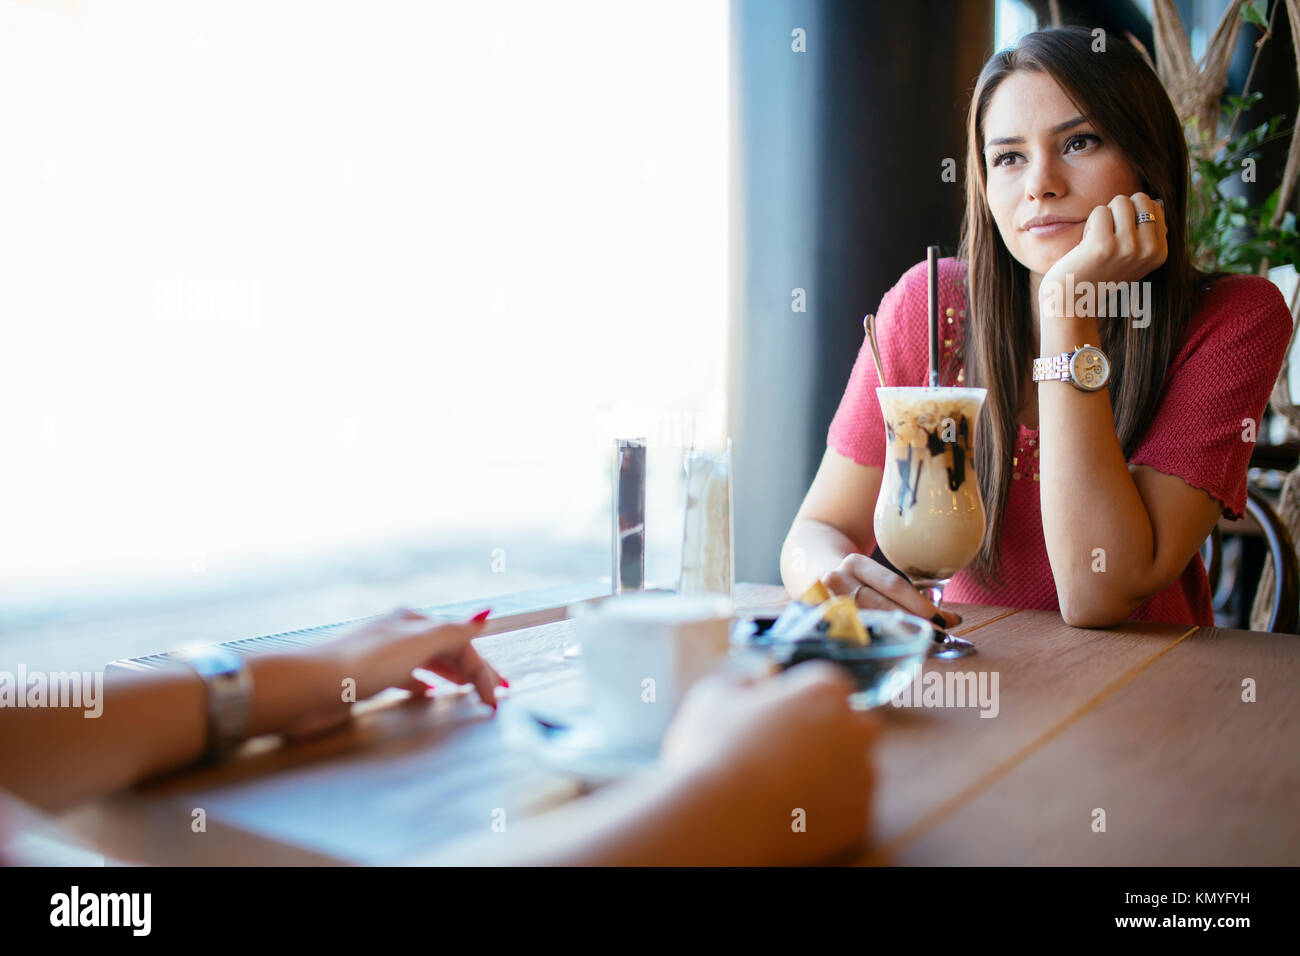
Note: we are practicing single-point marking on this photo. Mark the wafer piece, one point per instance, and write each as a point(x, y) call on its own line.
point(842, 615)
point(817, 594)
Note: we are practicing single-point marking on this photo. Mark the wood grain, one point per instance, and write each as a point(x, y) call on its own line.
point(1046, 671)
point(1188, 774)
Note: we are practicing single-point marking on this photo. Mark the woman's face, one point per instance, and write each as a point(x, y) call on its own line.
point(1047, 169)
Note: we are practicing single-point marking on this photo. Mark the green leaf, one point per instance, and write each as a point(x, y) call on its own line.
point(1244, 103)
point(1270, 204)
point(1253, 11)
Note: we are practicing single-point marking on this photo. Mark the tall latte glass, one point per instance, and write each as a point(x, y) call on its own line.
point(929, 518)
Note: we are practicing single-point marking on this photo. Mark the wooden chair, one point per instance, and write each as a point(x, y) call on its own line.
point(1276, 606)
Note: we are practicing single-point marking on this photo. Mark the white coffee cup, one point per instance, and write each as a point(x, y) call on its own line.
point(640, 654)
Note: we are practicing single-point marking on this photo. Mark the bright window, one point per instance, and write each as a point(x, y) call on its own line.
point(1012, 19)
point(350, 295)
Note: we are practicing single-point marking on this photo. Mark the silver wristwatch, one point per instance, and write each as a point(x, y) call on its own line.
point(230, 696)
point(1087, 368)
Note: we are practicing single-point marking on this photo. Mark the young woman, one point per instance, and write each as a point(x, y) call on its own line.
point(1097, 500)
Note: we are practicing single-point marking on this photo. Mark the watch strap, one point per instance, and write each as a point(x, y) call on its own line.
point(229, 686)
point(1053, 368)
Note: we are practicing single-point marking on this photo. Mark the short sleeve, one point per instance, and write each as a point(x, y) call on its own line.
point(858, 429)
point(1217, 389)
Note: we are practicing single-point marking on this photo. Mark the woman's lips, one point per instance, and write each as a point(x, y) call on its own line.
point(1052, 229)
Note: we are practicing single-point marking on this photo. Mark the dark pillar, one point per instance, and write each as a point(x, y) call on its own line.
point(838, 156)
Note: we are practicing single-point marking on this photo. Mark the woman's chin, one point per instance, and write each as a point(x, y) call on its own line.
point(1044, 261)
point(1037, 265)
point(1039, 261)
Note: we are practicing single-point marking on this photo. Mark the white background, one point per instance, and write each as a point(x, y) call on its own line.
point(287, 281)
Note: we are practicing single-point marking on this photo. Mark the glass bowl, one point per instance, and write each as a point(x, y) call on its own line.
point(898, 648)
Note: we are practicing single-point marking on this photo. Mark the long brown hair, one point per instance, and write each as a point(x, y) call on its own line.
point(1119, 93)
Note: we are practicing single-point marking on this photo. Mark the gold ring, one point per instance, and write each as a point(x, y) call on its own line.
point(1145, 217)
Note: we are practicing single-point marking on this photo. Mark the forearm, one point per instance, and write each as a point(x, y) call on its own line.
point(1096, 527)
point(811, 549)
point(55, 757)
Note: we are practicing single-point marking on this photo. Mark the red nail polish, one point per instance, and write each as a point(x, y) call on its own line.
point(481, 615)
point(504, 682)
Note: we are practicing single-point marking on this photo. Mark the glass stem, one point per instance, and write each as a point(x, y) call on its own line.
point(934, 592)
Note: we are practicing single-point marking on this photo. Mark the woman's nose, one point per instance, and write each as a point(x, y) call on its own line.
point(1045, 180)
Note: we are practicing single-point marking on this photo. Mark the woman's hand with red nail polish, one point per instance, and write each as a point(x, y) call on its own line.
point(383, 652)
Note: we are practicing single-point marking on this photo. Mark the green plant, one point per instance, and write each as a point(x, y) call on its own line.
point(1225, 232)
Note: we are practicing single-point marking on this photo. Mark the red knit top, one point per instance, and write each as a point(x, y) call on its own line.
point(1221, 374)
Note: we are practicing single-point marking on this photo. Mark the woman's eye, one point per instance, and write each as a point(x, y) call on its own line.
point(998, 159)
point(1082, 141)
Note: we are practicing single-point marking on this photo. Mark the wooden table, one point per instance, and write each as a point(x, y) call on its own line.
point(1145, 722)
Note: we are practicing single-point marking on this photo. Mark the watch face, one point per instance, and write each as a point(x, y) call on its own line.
point(1090, 368)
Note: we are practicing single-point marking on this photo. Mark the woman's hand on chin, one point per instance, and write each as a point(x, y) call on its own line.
point(1115, 248)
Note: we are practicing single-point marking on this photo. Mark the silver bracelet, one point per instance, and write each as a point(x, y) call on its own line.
point(229, 685)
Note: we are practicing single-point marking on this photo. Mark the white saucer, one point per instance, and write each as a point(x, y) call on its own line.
point(560, 730)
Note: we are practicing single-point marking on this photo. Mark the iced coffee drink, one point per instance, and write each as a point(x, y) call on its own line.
point(929, 518)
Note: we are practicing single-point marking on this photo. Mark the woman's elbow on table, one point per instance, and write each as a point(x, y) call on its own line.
point(1094, 607)
point(1099, 601)
point(1090, 617)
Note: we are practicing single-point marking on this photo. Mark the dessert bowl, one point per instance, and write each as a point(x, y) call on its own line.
point(880, 669)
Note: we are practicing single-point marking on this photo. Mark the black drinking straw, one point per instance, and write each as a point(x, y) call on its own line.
point(869, 323)
point(932, 268)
